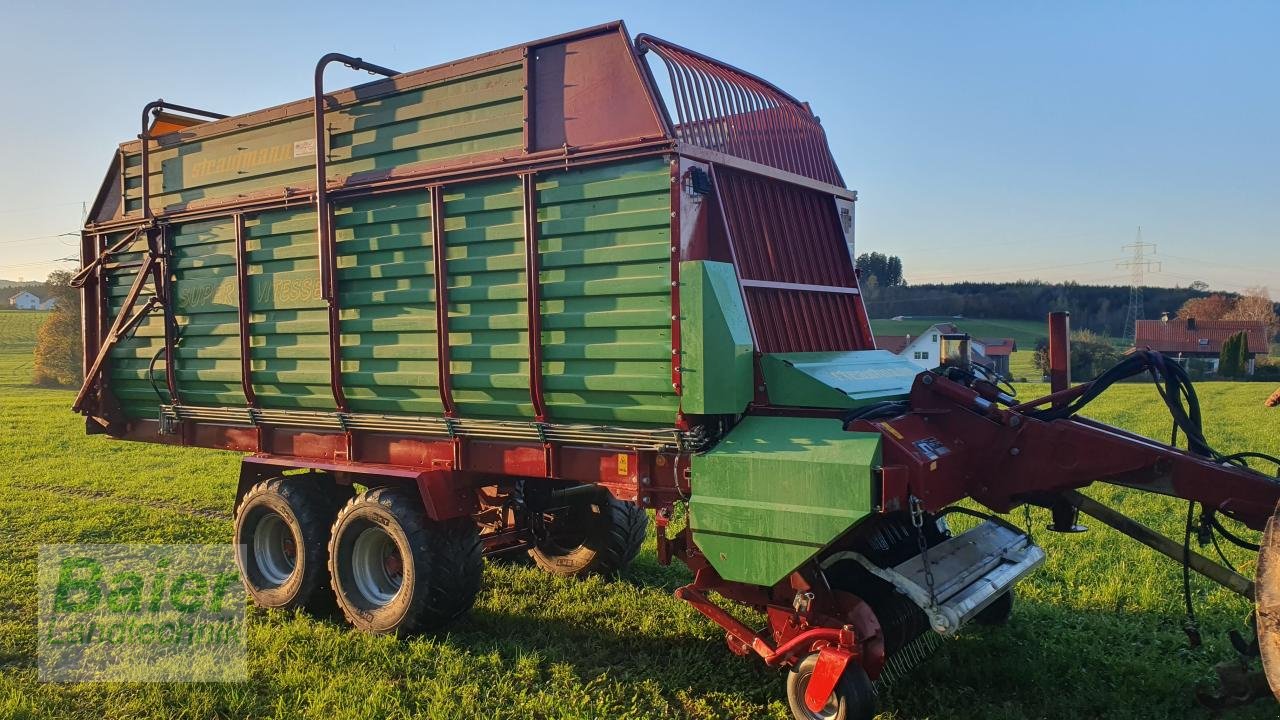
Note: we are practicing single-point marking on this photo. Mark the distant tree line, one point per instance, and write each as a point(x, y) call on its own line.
point(1100, 308)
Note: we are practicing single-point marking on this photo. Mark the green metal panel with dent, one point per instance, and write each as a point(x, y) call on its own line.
point(387, 304)
point(288, 321)
point(206, 302)
point(604, 244)
point(488, 307)
point(776, 491)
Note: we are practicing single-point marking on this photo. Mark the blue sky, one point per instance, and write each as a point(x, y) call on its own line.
point(988, 141)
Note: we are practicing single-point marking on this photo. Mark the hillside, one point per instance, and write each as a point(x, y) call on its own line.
point(1023, 332)
point(1100, 308)
point(6, 284)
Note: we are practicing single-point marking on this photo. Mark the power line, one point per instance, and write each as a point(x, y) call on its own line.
point(1137, 265)
point(39, 208)
point(39, 263)
point(1254, 269)
point(1001, 271)
point(40, 237)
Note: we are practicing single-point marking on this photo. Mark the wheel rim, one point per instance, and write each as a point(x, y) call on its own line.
point(830, 710)
point(565, 530)
point(376, 566)
point(274, 549)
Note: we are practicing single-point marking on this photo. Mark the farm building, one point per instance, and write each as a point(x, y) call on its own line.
point(25, 300)
point(1190, 339)
point(925, 349)
point(997, 351)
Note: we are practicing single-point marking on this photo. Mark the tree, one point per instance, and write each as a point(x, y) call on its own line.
point(893, 272)
point(1255, 305)
point(1229, 365)
point(870, 288)
point(1091, 355)
point(1199, 285)
point(58, 342)
point(886, 269)
point(1210, 307)
point(1242, 354)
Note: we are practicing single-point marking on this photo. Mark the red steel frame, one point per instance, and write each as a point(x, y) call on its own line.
point(533, 293)
point(724, 108)
point(440, 273)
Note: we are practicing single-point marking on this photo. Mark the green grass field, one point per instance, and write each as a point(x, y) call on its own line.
point(17, 341)
point(1096, 632)
point(1022, 366)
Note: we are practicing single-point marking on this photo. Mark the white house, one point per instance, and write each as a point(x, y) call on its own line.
point(925, 349)
point(25, 301)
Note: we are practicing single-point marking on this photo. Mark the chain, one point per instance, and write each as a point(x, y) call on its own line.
point(917, 519)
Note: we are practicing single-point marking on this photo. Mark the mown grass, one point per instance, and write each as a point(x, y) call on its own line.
point(1096, 632)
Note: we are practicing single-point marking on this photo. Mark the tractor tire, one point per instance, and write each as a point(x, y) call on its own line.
point(854, 698)
point(591, 538)
point(998, 612)
point(397, 571)
point(282, 540)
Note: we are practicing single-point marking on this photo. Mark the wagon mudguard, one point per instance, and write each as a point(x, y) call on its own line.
point(776, 491)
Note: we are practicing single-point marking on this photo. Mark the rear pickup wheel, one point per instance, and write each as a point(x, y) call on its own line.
point(281, 536)
point(395, 570)
point(597, 537)
point(853, 698)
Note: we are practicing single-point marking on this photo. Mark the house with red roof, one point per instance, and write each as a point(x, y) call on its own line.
point(1186, 339)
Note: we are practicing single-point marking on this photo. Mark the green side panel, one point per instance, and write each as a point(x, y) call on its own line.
point(126, 369)
point(777, 490)
point(436, 123)
point(604, 243)
point(288, 322)
point(206, 303)
point(386, 296)
point(715, 340)
point(488, 308)
point(604, 237)
point(837, 379)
